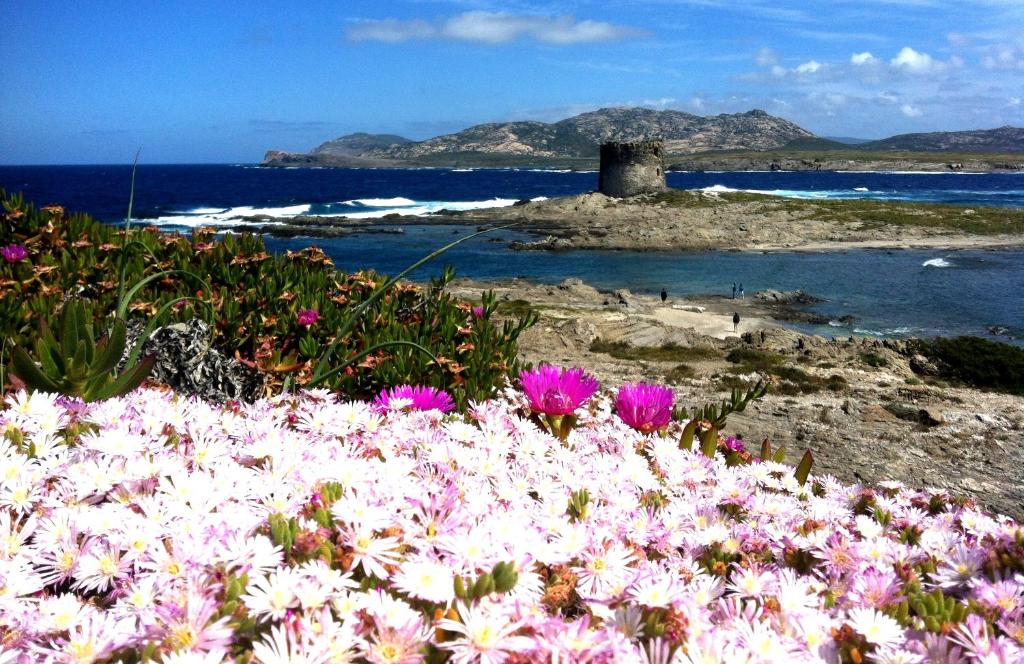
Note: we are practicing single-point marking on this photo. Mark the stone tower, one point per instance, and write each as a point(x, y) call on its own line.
point(631, 168)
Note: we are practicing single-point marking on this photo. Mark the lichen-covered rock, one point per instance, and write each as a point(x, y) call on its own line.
point(186, 362)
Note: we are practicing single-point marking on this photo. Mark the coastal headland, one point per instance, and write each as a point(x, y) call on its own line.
point(678, 220)
point(869, 409)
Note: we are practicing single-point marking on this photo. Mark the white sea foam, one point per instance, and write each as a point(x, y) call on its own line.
point(381, 202)
point(936, 262)
point(206, 210)
point(717, 189)
point(420, 208)
point(226, 216)
point(861, 189)
point(463, 170)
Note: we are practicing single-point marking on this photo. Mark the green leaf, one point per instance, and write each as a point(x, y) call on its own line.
point(709, 442)
point(686, 439)
point(803, 469)
point(127, 381)
point(24, 368)
point(111, 348)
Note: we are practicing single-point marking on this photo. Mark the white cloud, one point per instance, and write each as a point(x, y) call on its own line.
point(491, 28)
point(390, 31)
point(863, 59)
point(778, 71)
point(917, 63)
point(911, 111)
point(766, 57)
point(808, 67)
point(1004, 58)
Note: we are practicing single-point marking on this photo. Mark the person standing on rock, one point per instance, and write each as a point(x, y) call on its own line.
point(741, 291)
point(735, 321)
point(664, 295)
point(734, 290)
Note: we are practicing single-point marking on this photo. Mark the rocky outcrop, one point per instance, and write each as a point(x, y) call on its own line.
point(186, 362)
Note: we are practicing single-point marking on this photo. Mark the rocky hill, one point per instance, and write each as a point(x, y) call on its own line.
point(739, 141)
point(1003, 139)
point(578, 137)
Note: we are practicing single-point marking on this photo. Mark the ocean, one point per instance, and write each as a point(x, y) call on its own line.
point(886, 293)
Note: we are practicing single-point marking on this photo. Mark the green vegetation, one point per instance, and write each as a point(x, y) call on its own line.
point(76, 365)
point(874, 360)
point(867, 214)
point(669, 352)
point(791, 380)
point(977, 362)
point(517, 308)
point(679, 372)
point(255, 298)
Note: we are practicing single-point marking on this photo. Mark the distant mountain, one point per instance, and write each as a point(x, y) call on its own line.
point(578, 137)
point(1003, 139)
point(848, 140)
point(355, 144)
point(575, 141)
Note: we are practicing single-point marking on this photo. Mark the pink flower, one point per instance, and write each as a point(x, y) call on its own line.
point(644, 407)
point(734, 444)
point(14, 253)
point(307, 317)
point(478, 312)
point(418, 397)
point(556, 391)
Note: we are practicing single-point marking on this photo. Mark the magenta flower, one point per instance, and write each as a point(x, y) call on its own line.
point(734, 444)
point(644, 407)
point(14, 253)
point(478, 312)
point(556, 391)
point(421, 397)
point(307, 317)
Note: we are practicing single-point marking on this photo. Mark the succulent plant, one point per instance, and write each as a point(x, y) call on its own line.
point(254, 297)
point(76, 365)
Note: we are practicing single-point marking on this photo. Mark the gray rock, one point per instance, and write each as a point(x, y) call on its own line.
point(930, 416)
point(920, 364)
point(185, 362)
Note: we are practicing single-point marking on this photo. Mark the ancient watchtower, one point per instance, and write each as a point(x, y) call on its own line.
point(631, 168)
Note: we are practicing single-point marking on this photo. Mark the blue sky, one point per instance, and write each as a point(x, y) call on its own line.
point(211, 81)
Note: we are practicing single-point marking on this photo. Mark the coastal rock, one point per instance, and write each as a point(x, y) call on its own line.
point(930, 416)
point(877, 413)
point(920, 364)
point(185, 362)
point(623, 296)
point(786, 297)
point(577, 288)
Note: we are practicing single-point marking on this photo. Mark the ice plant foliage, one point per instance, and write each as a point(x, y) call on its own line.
point(415, 397)
point(644, 407)
point(154, 527)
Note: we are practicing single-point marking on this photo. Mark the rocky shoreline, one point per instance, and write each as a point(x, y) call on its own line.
point(867, 408)
point(680, 220)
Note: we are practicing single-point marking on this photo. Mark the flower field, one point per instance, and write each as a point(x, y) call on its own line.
point(307, 528)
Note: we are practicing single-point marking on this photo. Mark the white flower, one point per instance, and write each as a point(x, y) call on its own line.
point(876, 627)
point(271, 596)
point(426, 580)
